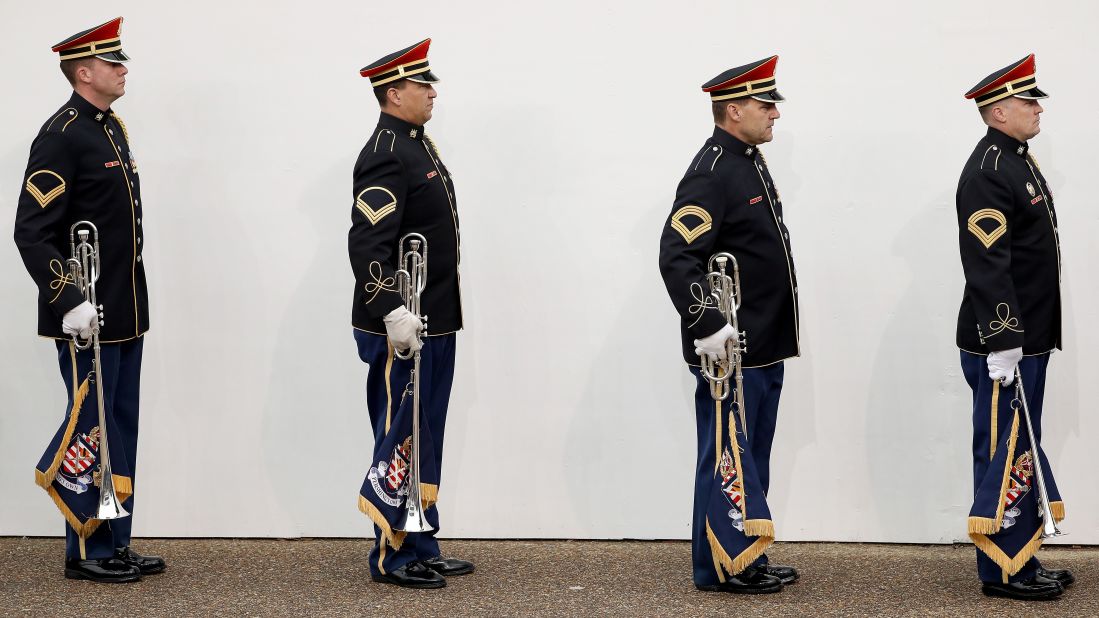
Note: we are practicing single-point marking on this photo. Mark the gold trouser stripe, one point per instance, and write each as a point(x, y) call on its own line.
point(994, 425)
point(72, 357)
point(381, 556)
point(388, 390)
point(1011, 442)
point(717, 436)
point(83, 552)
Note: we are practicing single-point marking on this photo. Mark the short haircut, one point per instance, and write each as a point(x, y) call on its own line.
point(719, 108)
point(380, 91)
point(69, 67)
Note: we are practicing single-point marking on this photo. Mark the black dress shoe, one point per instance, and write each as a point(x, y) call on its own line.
point(750, 581)
point(412, 575)
point(148, 565)
point(1035, 588)
point(105, 570)
point(787, 574)
point(448, 566)
point(1061, 576)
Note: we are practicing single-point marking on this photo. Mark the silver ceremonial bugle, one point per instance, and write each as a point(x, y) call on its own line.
point(1049, 525)
point(84, 266)
point(725, 289)
point(411, 281)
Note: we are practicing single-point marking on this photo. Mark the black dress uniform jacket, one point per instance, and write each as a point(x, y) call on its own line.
point(727, 201)
point(401, 186)
point(1007, 231)
point(81, 168)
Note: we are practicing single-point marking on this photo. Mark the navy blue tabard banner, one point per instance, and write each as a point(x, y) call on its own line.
point(738, 520)
point(383, 493)
point(1005, 521)
point(68, 469)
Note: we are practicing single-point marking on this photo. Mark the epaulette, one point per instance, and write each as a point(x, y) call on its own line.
point(125, 133)
point(707, 158)
point(61, 121)
point(385, 140)
point(990, 160)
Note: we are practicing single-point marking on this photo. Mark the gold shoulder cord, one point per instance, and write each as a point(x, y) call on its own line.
point(125, 133)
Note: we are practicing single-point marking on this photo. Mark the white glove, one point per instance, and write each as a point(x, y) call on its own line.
point(81, 319)
point(1001, 365)
point(402, 327)
point(714, 345)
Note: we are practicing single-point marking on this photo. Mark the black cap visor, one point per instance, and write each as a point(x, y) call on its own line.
point(114, 56)
point(427, 77)
point(771, 96)
point(1032, 93)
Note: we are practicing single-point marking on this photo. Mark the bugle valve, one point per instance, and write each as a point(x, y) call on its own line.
point(725, 293)
point(411, 281)
point(84, 266)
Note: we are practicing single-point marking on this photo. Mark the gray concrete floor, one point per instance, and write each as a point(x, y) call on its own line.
point(545, 578)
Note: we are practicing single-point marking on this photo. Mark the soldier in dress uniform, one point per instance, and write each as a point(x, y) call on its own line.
point(1009, 320)
point(401, 186)
point(82, 168)
point(727, 201)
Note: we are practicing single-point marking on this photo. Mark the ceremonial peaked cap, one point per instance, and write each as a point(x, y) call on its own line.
point(756, 80)
point(410, 63)
point(103, 41)
point(1017, 79)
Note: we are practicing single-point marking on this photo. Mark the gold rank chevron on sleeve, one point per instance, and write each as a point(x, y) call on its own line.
point(984, 208)
point(376, 203)
point(988, 225)
point(380, 187)
point(45, 186)
point(40, 216)
point(685, 246)
point(691, 222)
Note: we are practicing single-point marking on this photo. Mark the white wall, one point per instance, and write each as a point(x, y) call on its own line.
point(567, 127)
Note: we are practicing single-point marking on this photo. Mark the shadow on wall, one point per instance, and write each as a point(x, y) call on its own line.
point(918, 430)
point(317, 362)
point(637, 479)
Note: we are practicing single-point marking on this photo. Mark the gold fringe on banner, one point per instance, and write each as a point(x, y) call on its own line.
point(986, 525)
point(983, 525)
point(123, 484)
point(737, 565)
point(759, 527)
point(1009, 564)
point(45, 479)
point(124, 487)
point(394, 537)
point(429, 494)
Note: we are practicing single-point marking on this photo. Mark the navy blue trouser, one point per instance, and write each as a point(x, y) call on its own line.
point(975, 369)
point(762, 387)
point(436, 379)
point(121, 389)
